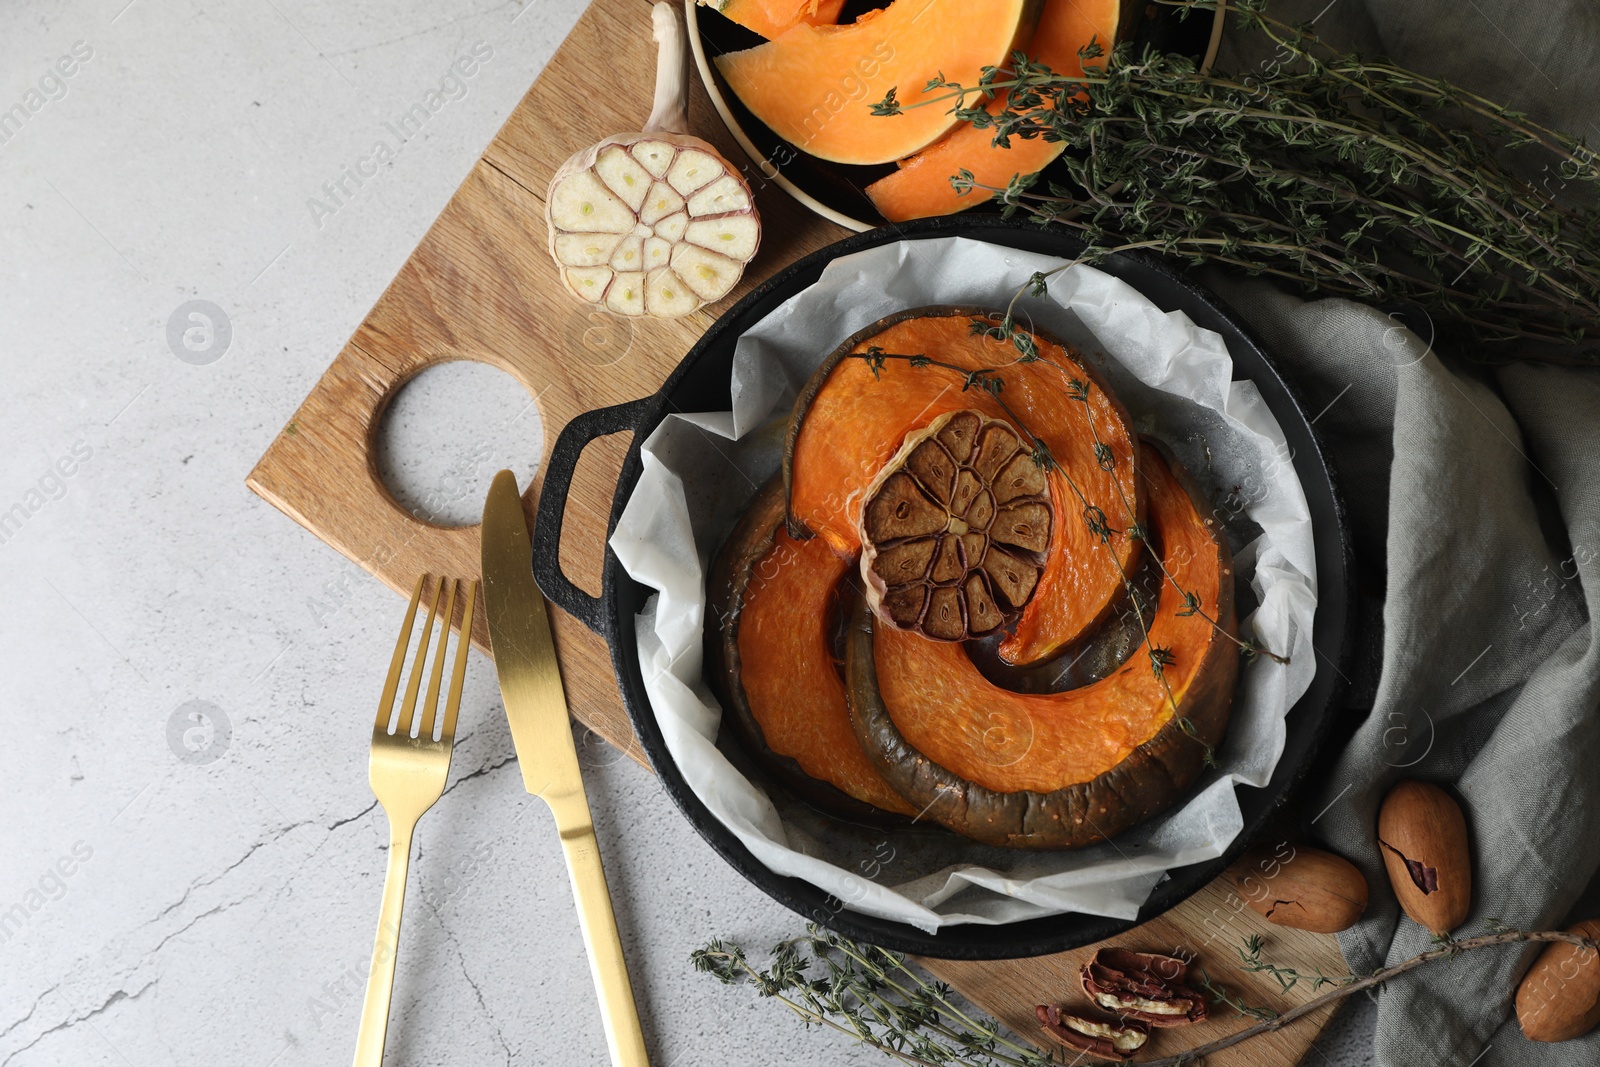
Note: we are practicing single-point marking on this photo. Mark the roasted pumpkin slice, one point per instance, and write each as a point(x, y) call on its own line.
point(861, 405)
point(814, 86)
point(773, 664)
point(770, 18)
point(1068, 769)
point(921, 187)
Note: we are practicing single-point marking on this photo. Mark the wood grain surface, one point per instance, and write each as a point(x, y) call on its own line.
point(1209, 929)
point(481, 286)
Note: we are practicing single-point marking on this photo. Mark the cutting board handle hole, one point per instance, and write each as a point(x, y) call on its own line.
point(445, 432)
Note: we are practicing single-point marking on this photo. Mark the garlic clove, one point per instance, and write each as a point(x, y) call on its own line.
point(626, 294)
point(694, 169)
point(585, 249)
point(654, 156)
point(662, 200)
point(666, 296)
point(708, 274)
point(734, 236)
point(588, 283)
point(672, 227)
point(727, 193)
point(657, 252)
point(629, 254)
point(583, 205)
point(624, 176)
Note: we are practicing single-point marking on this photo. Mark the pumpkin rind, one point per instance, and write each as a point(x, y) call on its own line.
point(771, 18)
point(850, 420)
point(762, 577)
point(1012, 806)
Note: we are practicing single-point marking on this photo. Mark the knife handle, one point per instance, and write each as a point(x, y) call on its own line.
point(606, 963)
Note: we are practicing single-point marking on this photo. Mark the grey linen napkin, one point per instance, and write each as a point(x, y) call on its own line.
point(1475, 501)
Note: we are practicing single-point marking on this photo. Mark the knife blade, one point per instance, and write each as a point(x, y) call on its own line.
point(536, 708)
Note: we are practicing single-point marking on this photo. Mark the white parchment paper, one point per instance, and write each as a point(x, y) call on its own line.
point(1175, 379)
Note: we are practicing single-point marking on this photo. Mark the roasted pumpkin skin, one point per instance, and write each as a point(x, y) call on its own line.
point(921, 188)
point(771, 663)
point(1069, 769)
point(849, 421)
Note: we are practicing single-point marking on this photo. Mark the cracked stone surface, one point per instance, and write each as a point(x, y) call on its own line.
point(221, 911)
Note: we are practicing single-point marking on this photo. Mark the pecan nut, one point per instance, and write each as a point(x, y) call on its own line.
point(1308, 889)
point(1559, 998)
point(1422, 832)
point(1145, 986)
point(1097, 1037)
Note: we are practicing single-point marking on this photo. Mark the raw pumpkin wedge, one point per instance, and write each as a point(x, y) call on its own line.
point(1068, 769)
point(773, 663)
point(921, 187)
point(770, 18)
point(852, 418)
point(814, 86)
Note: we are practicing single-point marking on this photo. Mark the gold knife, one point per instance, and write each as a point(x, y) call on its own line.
point(536, 706)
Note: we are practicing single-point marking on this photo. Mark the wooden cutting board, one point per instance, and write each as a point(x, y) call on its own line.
point(480, 286)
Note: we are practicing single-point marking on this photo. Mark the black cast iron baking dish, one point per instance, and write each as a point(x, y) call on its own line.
point(701, 383)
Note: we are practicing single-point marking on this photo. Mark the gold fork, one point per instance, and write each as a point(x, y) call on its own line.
point(408, 775)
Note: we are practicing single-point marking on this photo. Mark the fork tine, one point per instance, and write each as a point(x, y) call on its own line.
point(392, 684)
point(430, 704)
point(459, 673)
point(408, 711)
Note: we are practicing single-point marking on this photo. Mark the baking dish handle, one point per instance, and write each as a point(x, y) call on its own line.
point(570, 443)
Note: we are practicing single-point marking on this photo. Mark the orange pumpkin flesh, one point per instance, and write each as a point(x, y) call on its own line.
point(1066, 769)
point(848, 424)
point(921, 187)
point(780, 681)
point(937, 697)
point(770, 18)
point(814, 85)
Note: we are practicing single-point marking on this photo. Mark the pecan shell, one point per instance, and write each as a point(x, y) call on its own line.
point(1097, 1037)
point(1145, 986)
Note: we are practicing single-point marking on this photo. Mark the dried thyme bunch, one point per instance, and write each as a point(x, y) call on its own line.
point(1345, 175)
point(874, 996)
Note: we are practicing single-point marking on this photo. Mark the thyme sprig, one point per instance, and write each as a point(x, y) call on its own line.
point(1221, 994)
point(879, 998)
point(1287, 977)
point(1191, 602)
point(1323, 168)
point(874, 996)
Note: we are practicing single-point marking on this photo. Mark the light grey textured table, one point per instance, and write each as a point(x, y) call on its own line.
point(225, 870)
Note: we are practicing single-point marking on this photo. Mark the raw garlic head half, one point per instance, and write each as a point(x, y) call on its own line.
point(654, 223)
